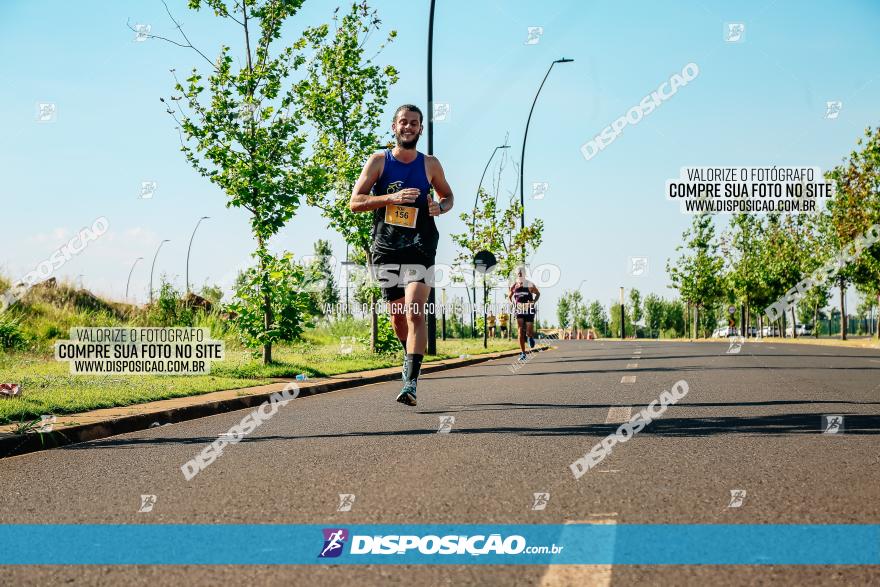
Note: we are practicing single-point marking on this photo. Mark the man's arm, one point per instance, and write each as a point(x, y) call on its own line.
point(441, 186)
point(535, 292)
point(363, 201)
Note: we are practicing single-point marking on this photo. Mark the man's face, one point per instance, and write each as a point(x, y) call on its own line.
point(407, 128)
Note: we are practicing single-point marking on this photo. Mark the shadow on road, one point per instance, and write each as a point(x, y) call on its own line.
point(854, 424)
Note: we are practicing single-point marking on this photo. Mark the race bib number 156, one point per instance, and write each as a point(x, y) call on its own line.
point(401, 215)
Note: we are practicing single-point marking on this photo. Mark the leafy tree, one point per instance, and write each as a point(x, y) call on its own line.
point(322, 274)
point(243, 136)
point(493, 229)
point(343, 96)
point(654, 313)
point(563, 311)
point(635, 305)
point(578, 311)
point(674, 317)
point(746, 269)
point(290, 302)
point(810, 306)
point(697, 273)
point(212, 293)
point(597, 317)
point(854, 208)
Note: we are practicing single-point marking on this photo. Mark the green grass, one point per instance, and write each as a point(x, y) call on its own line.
point(48, 388)
point(48, 311)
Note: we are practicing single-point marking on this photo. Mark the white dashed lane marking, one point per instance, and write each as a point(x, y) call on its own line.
point(618, 414)
point(580, 575)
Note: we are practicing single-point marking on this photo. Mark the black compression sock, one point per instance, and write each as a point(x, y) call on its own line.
point(413, 366)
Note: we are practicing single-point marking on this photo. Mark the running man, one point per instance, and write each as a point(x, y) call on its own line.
point(502, 321)
point(524, 295)
point(395, 186)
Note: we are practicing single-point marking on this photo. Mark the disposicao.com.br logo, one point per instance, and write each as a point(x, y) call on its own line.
point(429, 544)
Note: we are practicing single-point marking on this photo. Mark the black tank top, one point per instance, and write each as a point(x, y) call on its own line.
point(388, 238)
point(522, 296)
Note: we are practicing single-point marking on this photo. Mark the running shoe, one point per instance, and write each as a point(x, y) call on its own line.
point(531, 342)
point(522, 356)
point(408, 393)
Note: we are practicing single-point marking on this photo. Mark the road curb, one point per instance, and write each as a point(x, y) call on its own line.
point(14, 445)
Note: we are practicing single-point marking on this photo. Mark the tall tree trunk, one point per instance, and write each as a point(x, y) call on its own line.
point(748, 317)
point(687, 320)
point(816, 321)
point(842, 310)
point(793, 324)
point(374, 316)
point(696, 320)
point(876, 320)
point(268, 318)
point(783, 324)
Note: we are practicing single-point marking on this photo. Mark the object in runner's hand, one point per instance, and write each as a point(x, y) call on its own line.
point(401, 215)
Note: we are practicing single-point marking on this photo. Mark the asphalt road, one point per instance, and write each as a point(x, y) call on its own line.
point(751, 421)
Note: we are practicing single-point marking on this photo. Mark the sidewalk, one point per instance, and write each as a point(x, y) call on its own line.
point(106, 422)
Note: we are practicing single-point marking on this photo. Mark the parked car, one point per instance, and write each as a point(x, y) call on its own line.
point(771, 331)
point(801, 330)
point(725, 332)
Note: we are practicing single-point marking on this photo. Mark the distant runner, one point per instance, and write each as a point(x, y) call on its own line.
point(524, 295)
point(502, 321)
point(404, 232)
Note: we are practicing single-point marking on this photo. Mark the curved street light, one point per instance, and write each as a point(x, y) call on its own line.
point(154, 266)
point(473, 223)
point(128, 281)
point(189, 248)
point(522, 161)
point(480, 186)
point(432, 316)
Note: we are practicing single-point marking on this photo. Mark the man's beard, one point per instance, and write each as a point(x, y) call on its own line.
point(407, 144)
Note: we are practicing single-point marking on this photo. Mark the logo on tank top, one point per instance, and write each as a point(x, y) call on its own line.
point(394, 186)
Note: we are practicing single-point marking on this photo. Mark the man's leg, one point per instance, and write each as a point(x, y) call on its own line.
point(531, 332)
point(416, 339)
point(416, 321)
point(398, 320)
point(521, 328)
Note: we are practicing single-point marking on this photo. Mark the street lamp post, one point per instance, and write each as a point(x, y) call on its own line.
point(189, 248)
point(128, 281)
point(473, 223)
point(443, 313)
point(432, 317)
point(154, 266)
point(522, 160)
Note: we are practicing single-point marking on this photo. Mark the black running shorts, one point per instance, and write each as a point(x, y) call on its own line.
point(387, 269)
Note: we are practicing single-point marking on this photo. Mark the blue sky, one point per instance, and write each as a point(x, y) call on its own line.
point(760, 102)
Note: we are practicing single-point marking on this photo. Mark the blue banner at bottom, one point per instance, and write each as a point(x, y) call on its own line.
point(505, 544)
